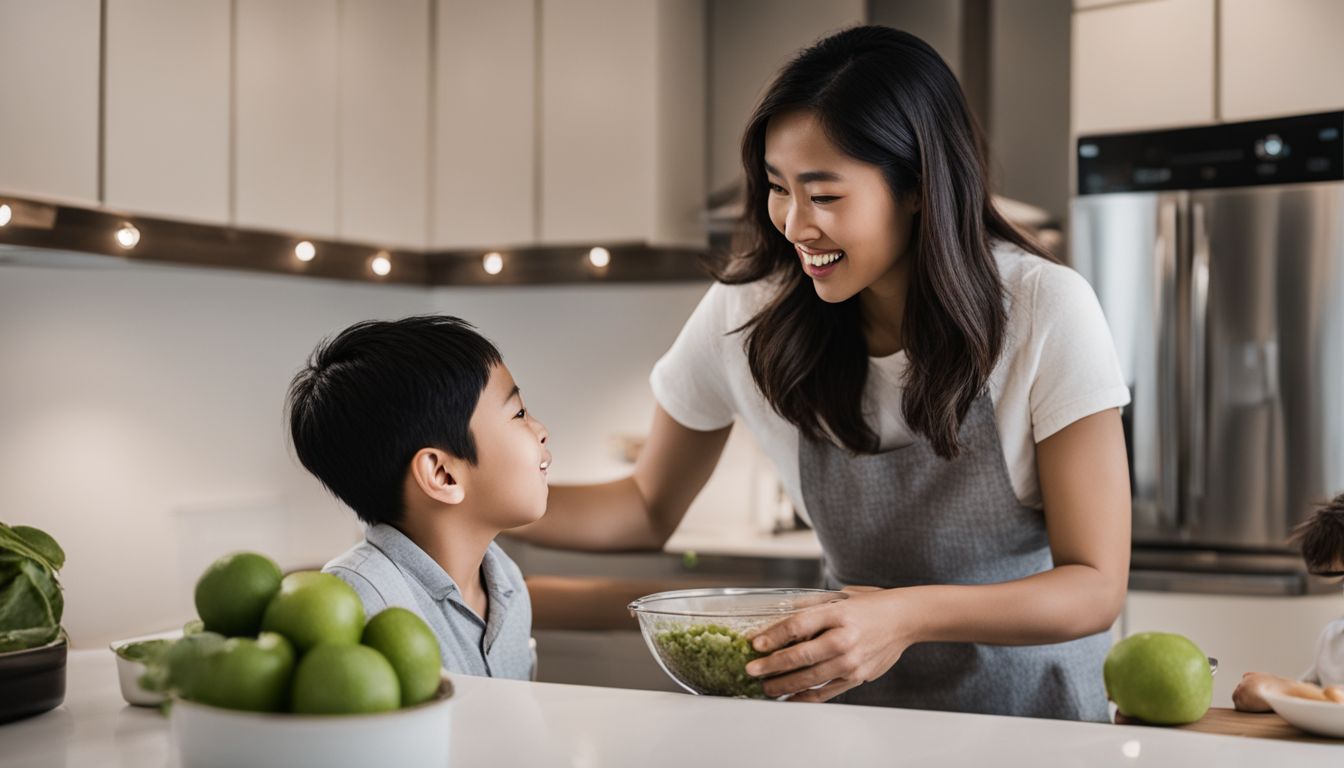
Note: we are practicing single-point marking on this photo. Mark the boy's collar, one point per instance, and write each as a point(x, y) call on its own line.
point(409, 557)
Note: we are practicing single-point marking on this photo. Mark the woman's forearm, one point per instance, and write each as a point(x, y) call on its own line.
point(639, 512)
point(1065, 603)
point(602, 517)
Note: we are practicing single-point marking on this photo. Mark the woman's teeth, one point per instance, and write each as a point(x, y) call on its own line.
point(822, 259)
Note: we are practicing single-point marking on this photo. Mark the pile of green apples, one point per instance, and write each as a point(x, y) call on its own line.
point(297, 643)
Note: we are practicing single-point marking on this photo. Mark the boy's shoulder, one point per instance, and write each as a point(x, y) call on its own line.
point(374, 576)
point(382, 567)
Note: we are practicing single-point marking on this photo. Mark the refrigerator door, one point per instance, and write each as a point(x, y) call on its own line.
point(1128, 247)
point(1265, 369)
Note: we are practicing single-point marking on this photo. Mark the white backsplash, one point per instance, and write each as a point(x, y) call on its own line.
point(143, 425)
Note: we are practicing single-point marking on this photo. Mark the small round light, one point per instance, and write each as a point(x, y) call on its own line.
point(6, 213)
point(599, 257)
point(493, 263)
point(128, 236)
point(381, 264)
point(1131, 749)
point(305, 251)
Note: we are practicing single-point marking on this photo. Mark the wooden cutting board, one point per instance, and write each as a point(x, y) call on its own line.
point(1229, 722)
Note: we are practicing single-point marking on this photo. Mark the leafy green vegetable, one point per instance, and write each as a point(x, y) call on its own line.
point(31, 602)
point(173, 668)
point(711, 659)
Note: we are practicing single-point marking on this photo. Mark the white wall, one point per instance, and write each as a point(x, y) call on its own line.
point(143, 425)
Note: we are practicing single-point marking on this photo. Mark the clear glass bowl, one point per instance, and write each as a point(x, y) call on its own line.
point(702, 637)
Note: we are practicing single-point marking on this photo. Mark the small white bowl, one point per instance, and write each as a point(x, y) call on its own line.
point(416, 736)
point(130, 670)
point(1323, 718)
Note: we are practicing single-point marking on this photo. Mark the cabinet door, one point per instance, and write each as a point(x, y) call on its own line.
point(597, 119)
point(1245, 634)
point(1280, 58)
point(1143, 65)
point(287, 115)
point(167, 112)
point(49, 97)
point(485, 124)
point(623, 121)
point(384, 131)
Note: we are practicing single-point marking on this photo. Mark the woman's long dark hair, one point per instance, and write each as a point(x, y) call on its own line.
point(883, 97)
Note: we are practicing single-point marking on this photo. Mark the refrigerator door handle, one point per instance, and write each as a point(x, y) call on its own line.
point(1198, 364)
point(1166, 325)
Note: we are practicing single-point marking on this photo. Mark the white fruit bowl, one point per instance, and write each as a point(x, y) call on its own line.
point(1323, 718)
point(206, 736)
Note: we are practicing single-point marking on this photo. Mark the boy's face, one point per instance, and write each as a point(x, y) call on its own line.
point(509, 479)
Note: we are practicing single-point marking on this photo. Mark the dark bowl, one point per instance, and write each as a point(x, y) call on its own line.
point(32, 681)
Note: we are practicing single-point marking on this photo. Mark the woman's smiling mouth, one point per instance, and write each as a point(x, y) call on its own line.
point(818, 263)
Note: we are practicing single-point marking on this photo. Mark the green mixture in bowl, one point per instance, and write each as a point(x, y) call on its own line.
point(147, 650)
point(710, 659)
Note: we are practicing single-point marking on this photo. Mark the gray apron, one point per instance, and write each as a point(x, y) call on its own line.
point(906, 517)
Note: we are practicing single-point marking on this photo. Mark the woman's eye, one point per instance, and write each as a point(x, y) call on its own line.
point(776, 189)
point(824, 199)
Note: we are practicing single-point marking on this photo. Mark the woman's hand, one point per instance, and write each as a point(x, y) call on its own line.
point(843, 644)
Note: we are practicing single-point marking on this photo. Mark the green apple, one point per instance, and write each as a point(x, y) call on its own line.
point(313, 608)
point(1160, 678)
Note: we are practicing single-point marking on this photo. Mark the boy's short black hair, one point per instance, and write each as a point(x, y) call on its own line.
point(377, 393)
point(1321, 538)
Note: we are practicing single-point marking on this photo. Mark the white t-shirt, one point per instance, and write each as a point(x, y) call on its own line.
point(1058, 365)
point(1328, 667)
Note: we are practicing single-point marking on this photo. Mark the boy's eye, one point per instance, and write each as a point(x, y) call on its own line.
point(522, 413)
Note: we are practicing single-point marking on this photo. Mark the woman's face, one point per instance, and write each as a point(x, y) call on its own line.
point(848, 231)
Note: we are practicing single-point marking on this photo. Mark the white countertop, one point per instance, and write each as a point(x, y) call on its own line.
point(539, 725)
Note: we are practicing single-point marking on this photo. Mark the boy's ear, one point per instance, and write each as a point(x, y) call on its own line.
point(438, 475)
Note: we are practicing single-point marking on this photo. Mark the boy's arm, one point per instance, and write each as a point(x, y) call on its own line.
point(639, 512)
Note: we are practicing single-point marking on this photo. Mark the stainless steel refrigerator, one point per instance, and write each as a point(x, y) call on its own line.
point(1218, 256)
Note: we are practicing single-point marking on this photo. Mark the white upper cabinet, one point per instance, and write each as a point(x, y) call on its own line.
point(384, 123)
point(287, 102)
point(485, 163)
point(1281, 58)
point(49, 99)
point(622, 121)
point(1143, 65)
point(166, 146)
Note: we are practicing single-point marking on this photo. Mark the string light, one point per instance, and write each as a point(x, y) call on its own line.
point(381, 264)
point(493, 263)
point(6, 213)
point(305, 251)
point(128, 236)
point(599, 257)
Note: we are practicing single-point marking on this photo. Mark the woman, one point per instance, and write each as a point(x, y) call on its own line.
point(939, 398)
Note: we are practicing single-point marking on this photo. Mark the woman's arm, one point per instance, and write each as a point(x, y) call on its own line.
point(636, 512)
point(1084, 477)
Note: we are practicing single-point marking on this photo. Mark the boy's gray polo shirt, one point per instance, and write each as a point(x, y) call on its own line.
point(388, 569)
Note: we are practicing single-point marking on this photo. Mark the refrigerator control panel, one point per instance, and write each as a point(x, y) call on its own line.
point(1288, 150)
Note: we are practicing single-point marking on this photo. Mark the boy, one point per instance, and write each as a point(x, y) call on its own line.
point(1322, 541)
point(418, 426)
